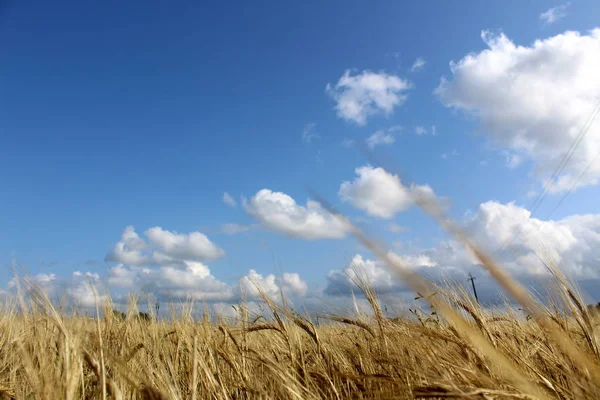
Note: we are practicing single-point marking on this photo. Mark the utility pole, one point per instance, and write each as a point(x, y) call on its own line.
point(472, 279)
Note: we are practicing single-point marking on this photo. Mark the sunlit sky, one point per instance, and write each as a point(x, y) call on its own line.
point(167, 148)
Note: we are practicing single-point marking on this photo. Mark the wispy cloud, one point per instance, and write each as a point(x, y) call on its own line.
point(380, 138)
point(232, 229)
point(453, 153)
point(418, 64)
point(309, 133)
point(421, 130)
point(395, 228)
point(554, 14)
point(347, 143)
point(227, 199)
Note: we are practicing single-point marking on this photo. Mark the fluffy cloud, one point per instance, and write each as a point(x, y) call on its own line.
point(533, 101)
point(190, 280)
point(227, 199)
point(177, 246)
point(379, 193)
point(518, 241)
point(129, 249)
point(366, 94)
point(76, 289)
point(373, 273)
point(164, 248)
point(194, 280)
point(251, 283)
point(554, 14)
point(290, 283)
point(380, 138)
point(522, 242)
point(293, 283)
point(418, 64)
point(279, 212)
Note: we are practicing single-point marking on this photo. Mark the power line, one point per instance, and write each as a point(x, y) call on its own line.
point(555, 175)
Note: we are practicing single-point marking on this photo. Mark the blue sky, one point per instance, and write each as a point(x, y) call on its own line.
point(115, 115)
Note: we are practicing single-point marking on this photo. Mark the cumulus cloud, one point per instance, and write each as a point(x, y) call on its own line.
point(533, 101)
point(520, 242)
point(76, 289)
point(254, 281)
point(374, 273)
point(227, 199)
point(194, 281)
point(380, 138)
point(293, 283)
point(280, 213)
point(366, 94)
point(189, 280)
point(418, 64)
point(379, 193)
point(554, 14)
point(178, 246)
point(164, 248)
point(129, 249)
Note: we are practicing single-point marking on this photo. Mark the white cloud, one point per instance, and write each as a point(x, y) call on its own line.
point(379, 193)
point(166, 248)
point(75, 289)
point(293, 283)
point(191, 280)
point(233, 229)
point(227, 199)
point(372, 272)
point(554, 14)
point(309, 133)
point(129, 249)
point(520, 241)
point(194, 246)
point(509, 233)
point(361, 96)
point(418, 64)
point(279, 212)
point(122, 277)
point(533, 101)
point(253, 281)
point(380, 138)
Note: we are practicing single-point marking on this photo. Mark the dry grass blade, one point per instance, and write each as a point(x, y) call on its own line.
point(511, 285)
point(444, 392)
point(422, 286)
point(349, 321)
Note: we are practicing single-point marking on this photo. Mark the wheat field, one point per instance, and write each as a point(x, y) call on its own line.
point(500, 353)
